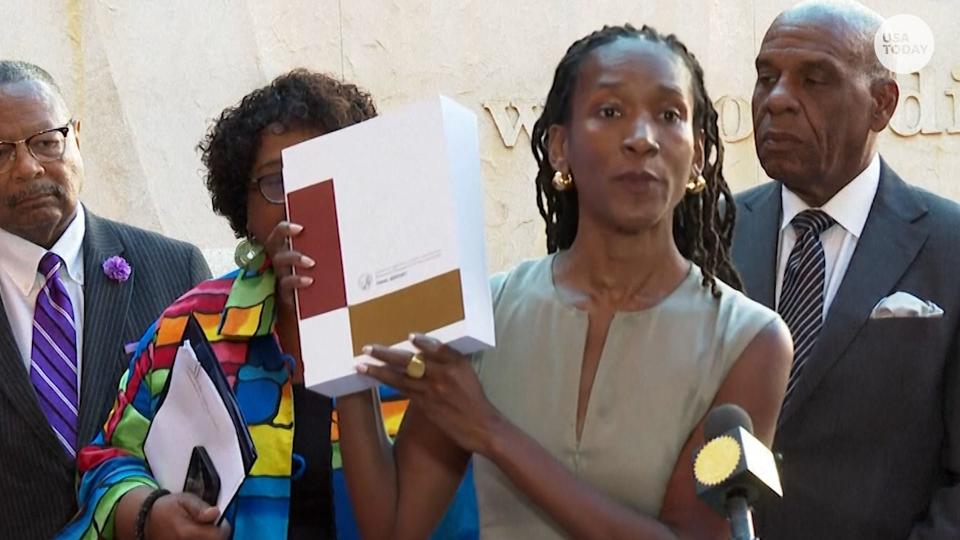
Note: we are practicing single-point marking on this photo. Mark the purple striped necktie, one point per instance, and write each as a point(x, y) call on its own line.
point(53, 355)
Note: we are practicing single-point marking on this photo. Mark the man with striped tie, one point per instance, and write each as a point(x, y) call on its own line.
point(74, 289)
point(863, 269)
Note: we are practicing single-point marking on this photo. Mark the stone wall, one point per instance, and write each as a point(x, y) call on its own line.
point(147, 76)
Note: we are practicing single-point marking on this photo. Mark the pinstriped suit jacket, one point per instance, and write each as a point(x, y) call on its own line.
point(37, 479)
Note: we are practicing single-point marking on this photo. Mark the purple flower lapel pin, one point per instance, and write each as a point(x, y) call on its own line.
point(117, 268)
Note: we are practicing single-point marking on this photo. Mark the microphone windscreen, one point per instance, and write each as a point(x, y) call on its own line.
point(725, 417)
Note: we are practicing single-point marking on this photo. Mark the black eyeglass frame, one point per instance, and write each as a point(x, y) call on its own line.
point(275, 179)
point(64, 131)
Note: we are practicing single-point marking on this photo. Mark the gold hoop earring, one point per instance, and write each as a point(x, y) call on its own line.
point(562, 182)
point(696, 186)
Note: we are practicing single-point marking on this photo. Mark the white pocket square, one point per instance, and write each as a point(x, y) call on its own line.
point(903, 305)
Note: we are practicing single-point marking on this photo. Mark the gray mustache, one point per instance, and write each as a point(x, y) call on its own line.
point(33, 191)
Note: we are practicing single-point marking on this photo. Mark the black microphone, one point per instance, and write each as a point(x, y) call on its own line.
point(733, 469)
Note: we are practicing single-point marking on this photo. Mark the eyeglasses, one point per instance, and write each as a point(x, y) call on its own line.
point(271, 187)
point(45, 146)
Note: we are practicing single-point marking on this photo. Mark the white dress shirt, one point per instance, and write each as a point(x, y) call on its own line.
point(20, 282)
point(849, 208)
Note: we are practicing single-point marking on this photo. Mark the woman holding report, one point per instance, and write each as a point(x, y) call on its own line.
point(249, 318)
point(610, 350)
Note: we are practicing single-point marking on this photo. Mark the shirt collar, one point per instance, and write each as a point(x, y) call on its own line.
point(21, 257)
point(849, 207)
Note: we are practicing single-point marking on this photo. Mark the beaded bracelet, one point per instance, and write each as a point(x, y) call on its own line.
point(145, 511)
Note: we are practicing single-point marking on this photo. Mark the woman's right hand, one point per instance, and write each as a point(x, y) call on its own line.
point(172, 517)
point(284, 259)
point(184, 515)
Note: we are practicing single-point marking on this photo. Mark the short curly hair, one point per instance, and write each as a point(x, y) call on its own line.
point(300, 99)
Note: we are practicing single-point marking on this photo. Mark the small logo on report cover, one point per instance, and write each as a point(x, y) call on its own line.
point(365, 281)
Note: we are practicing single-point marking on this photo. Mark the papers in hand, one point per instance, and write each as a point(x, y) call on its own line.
point(198, 409)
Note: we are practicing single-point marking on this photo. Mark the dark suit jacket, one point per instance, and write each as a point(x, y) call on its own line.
point(37, 478)
point(871, 439)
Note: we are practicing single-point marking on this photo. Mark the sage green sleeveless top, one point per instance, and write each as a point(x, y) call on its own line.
point(658, 374)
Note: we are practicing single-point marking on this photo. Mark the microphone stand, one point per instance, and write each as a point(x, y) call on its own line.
point(741, 519)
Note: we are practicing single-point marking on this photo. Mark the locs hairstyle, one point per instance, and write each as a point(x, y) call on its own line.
point(300, 99)
point(702, 232)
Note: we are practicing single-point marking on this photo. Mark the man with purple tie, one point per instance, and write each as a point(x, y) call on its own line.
point(74, 288)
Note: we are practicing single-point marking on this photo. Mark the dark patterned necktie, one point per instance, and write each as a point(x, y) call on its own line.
point(53, 355)
point(804, 281)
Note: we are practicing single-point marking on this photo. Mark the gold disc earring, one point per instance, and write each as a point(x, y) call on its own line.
point(562, 182)
point(247, 250)
point(696, 185)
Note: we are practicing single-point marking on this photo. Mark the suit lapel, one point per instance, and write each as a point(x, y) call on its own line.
point(755, 249)
point(891, 239)
point(105, 309)
point(18, 390)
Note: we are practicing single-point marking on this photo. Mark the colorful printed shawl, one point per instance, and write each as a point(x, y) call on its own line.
point(236, 313)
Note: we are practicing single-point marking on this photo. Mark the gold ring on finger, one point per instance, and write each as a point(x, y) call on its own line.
point(416, 368)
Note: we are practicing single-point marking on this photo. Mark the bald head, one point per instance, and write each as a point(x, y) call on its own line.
point(821, 97)
point(851, 23)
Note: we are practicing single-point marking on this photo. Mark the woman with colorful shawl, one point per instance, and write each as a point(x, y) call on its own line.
point(249, 318)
